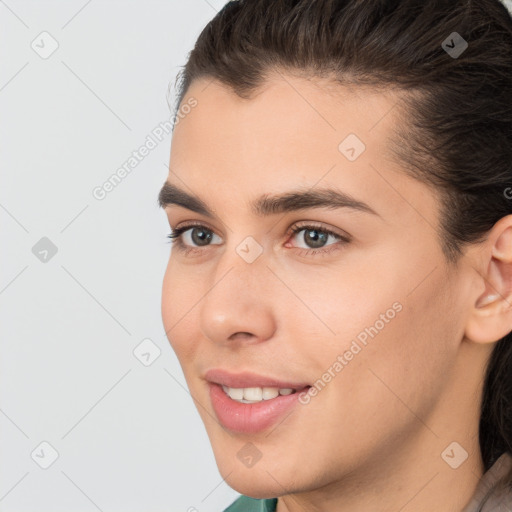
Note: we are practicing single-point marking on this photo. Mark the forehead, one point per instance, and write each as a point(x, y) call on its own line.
point(294, 131)
point(318, 103)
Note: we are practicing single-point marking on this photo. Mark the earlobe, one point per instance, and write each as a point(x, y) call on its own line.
point(490, 317)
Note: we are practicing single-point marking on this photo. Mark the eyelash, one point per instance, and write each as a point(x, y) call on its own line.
point(176, 238)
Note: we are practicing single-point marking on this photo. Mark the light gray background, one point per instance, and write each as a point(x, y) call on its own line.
point(128, 436)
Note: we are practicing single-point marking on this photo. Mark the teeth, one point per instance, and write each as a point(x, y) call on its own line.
point(269, 393)
point(253, 395)
point(235, 394)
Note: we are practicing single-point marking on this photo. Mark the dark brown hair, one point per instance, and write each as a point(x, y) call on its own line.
point(455, 132)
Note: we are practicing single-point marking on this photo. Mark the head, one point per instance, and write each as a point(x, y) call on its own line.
point(405, 306)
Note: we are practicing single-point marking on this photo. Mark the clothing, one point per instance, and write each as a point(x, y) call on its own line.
point(500, 500)
point(245, 504)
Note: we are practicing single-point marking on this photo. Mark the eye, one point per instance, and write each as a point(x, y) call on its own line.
point(316, 237)
point(191, 236)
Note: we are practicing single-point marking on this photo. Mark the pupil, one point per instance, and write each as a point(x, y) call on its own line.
point(314, 239)
point(204, 236)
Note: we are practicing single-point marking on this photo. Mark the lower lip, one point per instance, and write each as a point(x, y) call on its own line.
point(250, 418)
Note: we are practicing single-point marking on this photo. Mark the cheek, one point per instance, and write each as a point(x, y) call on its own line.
point(169, 298)
point(402, 370)
point(179, 295)
point(393, 331)
point(339, 303)
point(392, 294)
point(373, 403)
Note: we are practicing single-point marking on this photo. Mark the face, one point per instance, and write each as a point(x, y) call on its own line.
point(350, 310)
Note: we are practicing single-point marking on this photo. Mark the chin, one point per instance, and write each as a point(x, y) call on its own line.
point(260, 481)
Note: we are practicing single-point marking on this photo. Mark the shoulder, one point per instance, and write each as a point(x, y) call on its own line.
point(246, 504)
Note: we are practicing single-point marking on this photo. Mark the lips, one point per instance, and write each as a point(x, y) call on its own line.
point(250, 380)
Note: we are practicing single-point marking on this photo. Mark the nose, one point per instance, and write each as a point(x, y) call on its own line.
point(238, 306)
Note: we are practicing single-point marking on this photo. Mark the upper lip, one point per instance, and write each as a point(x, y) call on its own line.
point(249, 380)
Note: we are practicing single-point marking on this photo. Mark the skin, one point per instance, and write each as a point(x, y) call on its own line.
point(372, 438)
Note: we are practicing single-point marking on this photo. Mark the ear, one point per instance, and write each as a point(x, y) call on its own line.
point(490, 317)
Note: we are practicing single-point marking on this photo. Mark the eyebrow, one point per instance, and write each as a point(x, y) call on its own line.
point(268, 204)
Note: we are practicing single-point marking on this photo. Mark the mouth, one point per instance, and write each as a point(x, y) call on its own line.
point(247, 380)
point(254, 395)
point(250, 403)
